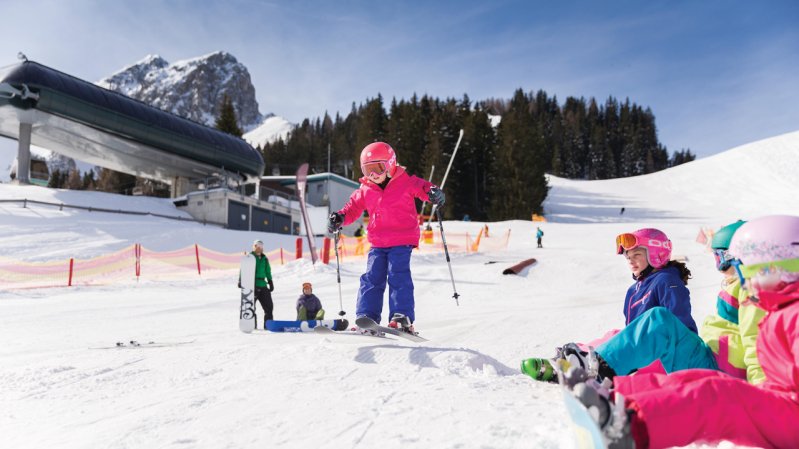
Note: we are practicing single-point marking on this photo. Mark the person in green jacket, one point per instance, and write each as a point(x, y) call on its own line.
point(263, 280)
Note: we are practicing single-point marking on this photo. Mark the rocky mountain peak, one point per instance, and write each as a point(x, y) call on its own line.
point(192, 88)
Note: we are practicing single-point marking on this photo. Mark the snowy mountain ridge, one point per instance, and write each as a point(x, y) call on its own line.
point(194, 89)
point(191, 88)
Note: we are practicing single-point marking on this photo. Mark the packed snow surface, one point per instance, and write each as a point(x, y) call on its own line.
point(221, 388)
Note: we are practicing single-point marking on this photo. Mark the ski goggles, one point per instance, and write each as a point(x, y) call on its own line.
point(627, 241)
point(723, 259)
point(374, 168)
point(765, 276)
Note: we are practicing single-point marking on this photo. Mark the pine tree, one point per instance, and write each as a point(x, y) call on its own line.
point(115, 182)
point(55, 180)
point(74, 181)
point(227, 121)
point(88, 180)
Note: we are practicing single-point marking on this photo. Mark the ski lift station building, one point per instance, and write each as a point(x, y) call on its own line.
point(50, 109)
point(205, 168)
point(276, 207)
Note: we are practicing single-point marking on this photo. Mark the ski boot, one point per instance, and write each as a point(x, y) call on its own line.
point(610, 414)
point(592, 363)
point(401, 322)
point(540, 369)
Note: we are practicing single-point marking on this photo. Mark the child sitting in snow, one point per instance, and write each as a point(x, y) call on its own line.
point(727, 342)
point(659, 291)
point(308, 305)
point(653, 410)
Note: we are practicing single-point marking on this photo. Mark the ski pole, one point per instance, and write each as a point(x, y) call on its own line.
point(446, 252)
point(446, 173)
point(338, 273)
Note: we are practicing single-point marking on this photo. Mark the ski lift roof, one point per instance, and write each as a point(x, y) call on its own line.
point(96, 125)
point(318, 177)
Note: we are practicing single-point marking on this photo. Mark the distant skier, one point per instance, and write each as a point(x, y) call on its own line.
point(309, 307)
point(263, 280)
point(387, 192)
point(622, 211)
point(359, 235)
point(358, 232)
point(539, 234)
point(660, 284)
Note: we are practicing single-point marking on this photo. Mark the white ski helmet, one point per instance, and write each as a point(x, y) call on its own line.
point(768, 249)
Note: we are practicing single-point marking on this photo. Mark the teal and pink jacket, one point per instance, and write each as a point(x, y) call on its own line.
point(699, 405)
point(393, 219)
point(731, 332)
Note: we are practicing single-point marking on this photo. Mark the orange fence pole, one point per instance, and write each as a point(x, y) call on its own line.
point(298, 249)
point(71, 265)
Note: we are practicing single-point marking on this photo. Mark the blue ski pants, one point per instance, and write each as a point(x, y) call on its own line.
point(656, 334)
point(391, 264)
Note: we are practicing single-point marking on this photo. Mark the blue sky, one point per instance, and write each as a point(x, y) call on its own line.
point(716, 74)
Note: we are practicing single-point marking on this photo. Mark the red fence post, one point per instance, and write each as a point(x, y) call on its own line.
point(71, 265)
point(326, 251)
point(298, 250)
point(281, 256)
point(197, 253)
point(137, 253)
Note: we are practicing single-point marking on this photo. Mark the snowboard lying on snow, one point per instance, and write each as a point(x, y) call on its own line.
point(585, 430)
point(305, 325)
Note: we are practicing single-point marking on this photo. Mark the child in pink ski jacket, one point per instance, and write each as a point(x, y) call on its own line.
point(696, 405)
point(388, 193)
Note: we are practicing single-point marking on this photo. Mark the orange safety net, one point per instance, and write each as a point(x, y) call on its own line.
point(134, 263)
point(456, 242)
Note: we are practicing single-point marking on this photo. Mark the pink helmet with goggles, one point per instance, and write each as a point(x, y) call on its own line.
point(378, 158)
point(768, 248)
point(657, 245)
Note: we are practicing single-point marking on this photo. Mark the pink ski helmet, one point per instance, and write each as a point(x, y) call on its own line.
point(377, 158)
point(768, 248)
point(654, 241)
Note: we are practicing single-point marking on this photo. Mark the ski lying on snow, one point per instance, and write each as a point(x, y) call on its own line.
point(368, 323)
point(134, 344)
point(327, 330)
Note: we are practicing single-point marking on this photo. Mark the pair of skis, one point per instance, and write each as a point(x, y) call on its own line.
point(377, 330)
point(134, 344)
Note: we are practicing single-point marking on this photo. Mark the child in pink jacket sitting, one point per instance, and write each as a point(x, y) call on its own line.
point(388, 193)
point(696, 405)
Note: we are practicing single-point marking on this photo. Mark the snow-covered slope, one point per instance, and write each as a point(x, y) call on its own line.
point(270, 130)
point(750, 179)
point(228, 389)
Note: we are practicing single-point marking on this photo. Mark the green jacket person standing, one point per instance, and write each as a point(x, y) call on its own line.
point(263, 280)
